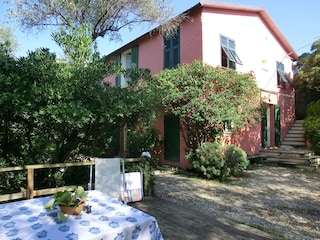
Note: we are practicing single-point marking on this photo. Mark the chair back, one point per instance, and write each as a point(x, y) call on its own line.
point(108, 176)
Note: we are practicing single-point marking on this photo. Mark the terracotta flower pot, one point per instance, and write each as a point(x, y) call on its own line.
point(72, 210)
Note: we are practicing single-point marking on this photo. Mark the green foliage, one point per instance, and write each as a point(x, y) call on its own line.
point(206, 97)
point(8, 42)
point(236, 160)
point(308, 69)
point(53, 111)
point(215, 161)
point(76, 42)
point(106, 17)
point(68, 199)
point(311, 126)
point(142, 138)
point(208, 159)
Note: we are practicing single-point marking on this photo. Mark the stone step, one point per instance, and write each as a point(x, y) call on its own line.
point(311, 159)
point(287, 152)
point(297, 123)
point(293, 143)
point(294, 134)
point(294, 139)
point(296, 129)
point(302, 161)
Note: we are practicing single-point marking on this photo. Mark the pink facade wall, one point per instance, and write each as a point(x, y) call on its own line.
point(200, 39)
point(191, 39)
point(151, 54)
point(287, 108)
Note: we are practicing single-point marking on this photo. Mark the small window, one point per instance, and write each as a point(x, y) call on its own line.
point(229, 57)
point(128, 60)
point(171, 50)
point(228, 126)
point(281, 77)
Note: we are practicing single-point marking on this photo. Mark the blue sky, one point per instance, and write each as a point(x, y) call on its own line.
point(298, 21)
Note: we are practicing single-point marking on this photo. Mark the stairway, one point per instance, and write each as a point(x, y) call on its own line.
point(295, 136)
point(293, 150)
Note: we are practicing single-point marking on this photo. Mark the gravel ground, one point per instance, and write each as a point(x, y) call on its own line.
point(282, 201)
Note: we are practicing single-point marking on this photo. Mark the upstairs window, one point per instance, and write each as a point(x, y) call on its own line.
point(281, 76)
point(172, 50)
point(229, 57)
point(128, 60)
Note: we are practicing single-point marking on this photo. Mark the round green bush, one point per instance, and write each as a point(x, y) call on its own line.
point(311, 126)
point(215, 161)
point(236, 160)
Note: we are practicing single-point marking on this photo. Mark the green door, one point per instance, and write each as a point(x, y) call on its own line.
point(277, 125)
point(264, 128)
point(171, 138)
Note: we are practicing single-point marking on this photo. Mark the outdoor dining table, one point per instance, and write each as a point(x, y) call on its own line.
point(108, 219)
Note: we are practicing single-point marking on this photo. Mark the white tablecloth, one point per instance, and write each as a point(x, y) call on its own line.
point(109, 219)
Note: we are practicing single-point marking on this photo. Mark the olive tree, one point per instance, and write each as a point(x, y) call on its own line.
point(106, 17)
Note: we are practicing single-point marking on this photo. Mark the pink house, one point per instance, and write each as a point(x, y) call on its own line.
point(240, 37)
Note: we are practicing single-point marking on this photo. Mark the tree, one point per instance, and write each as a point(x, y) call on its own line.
point(207, 98)
point(306, 81)
point(308, 69)
point(55, 111)
point(7, 41)
point(106, 17)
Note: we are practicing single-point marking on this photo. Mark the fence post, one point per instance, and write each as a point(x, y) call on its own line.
point(30, 183)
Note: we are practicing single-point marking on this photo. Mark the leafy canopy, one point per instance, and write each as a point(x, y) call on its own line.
point(7, 41)
point(107, 17)
point(308, 69)
point(206, 98)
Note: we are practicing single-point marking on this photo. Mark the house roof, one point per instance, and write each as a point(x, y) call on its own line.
point(231, 7)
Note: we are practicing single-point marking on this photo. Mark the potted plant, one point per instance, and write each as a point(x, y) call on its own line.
point(70, 202)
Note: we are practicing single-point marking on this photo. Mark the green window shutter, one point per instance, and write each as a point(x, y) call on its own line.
point(134, 56)
point(264, 128)
point(176, 49)
point(118, 77)
point(167, 50)
point(277, 126)
point(171, 138)
point(172, 51)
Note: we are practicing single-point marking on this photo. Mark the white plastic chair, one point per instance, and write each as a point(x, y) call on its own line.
point(108, 177)
point(120, 185)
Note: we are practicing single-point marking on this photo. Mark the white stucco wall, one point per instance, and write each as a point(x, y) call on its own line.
point(255, 45)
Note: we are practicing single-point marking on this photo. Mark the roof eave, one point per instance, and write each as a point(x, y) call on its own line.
point(218, 5)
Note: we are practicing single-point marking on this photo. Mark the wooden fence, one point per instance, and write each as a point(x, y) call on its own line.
point(30, 192)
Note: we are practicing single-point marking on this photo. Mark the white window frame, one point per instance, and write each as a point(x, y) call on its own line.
point(281, 76)
point(228, 46)
point(126, 63)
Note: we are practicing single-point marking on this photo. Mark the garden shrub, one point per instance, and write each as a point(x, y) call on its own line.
point(208, 159)
point(236, 160)
point(311, 126)
point(142, 138)
point(215, 161)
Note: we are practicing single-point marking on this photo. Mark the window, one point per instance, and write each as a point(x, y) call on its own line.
point(228, 126)
point(128, 60)
point(229, 57)
point(281, 77)
point(171, 51)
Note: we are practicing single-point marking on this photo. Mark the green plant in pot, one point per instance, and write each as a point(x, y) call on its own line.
point(70, 202)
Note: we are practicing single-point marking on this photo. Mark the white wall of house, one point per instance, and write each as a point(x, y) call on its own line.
point(256, 46)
